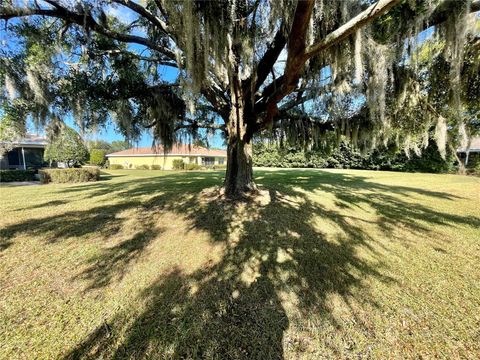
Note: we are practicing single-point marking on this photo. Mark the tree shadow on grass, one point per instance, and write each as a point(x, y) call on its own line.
point(275, 257)
point(46, 204)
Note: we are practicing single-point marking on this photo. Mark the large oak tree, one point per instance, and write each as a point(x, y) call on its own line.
point(307, 71)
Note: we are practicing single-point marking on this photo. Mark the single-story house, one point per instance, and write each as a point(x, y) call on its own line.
point(471, 154)
point(133, 157)
point(27, 153)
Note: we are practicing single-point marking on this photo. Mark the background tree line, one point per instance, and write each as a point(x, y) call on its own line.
point(345, 156)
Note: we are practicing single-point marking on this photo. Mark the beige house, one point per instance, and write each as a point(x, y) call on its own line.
point(134, 157)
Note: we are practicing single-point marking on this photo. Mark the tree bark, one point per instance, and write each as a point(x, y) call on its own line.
point(239, 175)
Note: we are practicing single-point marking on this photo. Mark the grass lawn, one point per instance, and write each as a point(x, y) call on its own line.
point(337, 263)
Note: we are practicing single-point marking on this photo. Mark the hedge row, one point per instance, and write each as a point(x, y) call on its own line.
point(180, 165)
point(346, 157)
point(177, 165)
point(17, 175)
point(69, 175)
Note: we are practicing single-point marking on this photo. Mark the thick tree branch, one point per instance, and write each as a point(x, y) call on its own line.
point(297, 101)
point(153, 59)
point(295, 61)
point(200, 125)
point(284, 116)
point(297, 43)
point(217, 99)
point(268, 60)
point(365, 17)
point(85, 20)
point(442, 13)
point(140, 10)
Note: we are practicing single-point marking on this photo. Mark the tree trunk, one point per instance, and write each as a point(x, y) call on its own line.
point(239, 174)
point(461, 163)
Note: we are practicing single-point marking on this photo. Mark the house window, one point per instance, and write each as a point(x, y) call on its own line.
point(221, 161)
point(14, 157)
point(208, 161)
point(34, 157)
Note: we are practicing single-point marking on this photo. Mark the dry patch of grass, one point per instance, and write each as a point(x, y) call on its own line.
point(320, 264)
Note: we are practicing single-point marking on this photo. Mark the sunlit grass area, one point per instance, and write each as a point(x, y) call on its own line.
point(339, 263)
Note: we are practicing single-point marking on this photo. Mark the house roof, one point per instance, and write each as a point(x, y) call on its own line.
point(31, 140)
point(177, 149)
point(474, 145)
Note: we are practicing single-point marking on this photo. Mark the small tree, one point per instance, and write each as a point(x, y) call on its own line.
point(67, 147)
point(97, 157)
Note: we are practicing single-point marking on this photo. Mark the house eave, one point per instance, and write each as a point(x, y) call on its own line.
point(26, 144)
point(468, 150)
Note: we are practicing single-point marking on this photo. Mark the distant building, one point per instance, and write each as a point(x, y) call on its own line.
point(471, 154)
point(27, 153)
point(131, 158)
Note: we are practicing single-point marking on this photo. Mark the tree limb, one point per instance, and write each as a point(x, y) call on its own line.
point(84, 20)
point(268, 60)
point(145, 13)
point(365, 17)
point(154, 59)
point(199, 125)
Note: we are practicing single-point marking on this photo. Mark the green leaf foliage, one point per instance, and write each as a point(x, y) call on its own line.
point(192, 166)
point(348, 157)
point(69, 175)
point(178, 164)
point(67, 147)
point(16, 175)
point(97, 157)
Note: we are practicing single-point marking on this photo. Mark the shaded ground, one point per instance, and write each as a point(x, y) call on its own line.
point(328, 264)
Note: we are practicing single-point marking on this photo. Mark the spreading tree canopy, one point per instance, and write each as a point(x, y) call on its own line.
point(307, 72)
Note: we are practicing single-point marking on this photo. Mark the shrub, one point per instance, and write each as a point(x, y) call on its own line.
point(347, 157)
point(142, 167)
point(219, 167)
point(17, 175)
point(178, 164)
point(192, 166)
point(97, 157)
point(115, 167)
point(475, 170)
point(69, 175)
point(156, 167)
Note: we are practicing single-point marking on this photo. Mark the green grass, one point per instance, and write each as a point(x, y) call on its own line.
point(329, 264)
